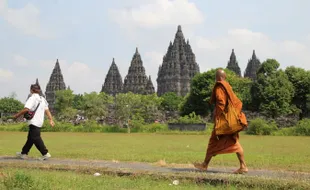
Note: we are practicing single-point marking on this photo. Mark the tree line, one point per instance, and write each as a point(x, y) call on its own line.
point(275, 92)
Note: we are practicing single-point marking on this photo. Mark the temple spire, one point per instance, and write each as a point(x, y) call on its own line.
point(136, 79)
point(178, 67)
point(55, 83)
point(233, 64)
point(149, 86)
point(113, 83)
point(252, 67)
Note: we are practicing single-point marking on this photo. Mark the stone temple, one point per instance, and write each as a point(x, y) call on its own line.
point(233, 64)
point(55, 83)
point(178, 67)
point(252, 67)
point(113, 82)
point(136, 80)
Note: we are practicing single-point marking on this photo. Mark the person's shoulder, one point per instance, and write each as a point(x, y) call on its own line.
point(43, 99)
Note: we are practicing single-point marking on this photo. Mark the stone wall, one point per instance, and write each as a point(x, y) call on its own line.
point(187, 127)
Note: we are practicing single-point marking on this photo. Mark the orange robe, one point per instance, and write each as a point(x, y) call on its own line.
point(222, 144)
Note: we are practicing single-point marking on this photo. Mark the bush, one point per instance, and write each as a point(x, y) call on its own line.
point(192, 118)
point(303, 128)
point(259, 126)
point(12, 127)
point(154, 127)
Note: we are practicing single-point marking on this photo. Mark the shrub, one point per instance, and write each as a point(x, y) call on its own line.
point(192, 118)
point(154, 127)
point(303, 128)
point(289, 131)
point(259, 126)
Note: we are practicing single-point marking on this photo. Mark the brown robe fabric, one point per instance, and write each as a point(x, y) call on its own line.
point(223, 144)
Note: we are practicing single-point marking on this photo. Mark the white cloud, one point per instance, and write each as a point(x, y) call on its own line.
point(20, 60)
point(159, 13)
point(216, 51)
point(5, 75)
point(25, 19)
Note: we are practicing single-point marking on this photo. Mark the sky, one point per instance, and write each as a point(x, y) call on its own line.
point(86, 35)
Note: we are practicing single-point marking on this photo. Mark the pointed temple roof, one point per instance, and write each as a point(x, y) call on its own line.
point(252, 67)
point(233, 64)
point(178, 67)
point(136, 79)
point(113, 82)
point(37, 82)
point(149, 86)
point(55, 83)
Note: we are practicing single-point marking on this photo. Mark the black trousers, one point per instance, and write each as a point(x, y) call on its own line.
point(34, 137)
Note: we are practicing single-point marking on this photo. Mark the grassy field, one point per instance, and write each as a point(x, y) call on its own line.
point(53, 180)
point(266, 152)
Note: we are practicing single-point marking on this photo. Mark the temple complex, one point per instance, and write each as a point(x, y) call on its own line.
point(178, 67)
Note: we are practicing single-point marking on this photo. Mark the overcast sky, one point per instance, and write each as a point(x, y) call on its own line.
point(86, 35)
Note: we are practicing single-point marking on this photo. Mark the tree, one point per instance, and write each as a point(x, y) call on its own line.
point(96, 105)
point(201, 90)
point(272, 93)
point(171, 101)
point(300, 78)
point(127, 106)
point(150, 107)
point(78, 101)
point(10, 105)
point(63, 105)
point(144, 108)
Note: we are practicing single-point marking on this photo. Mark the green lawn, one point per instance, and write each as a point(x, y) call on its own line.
point(53, 180)
point(267, 152)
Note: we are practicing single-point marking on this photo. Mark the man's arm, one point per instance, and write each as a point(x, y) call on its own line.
point(20, 113)
point(49, 115)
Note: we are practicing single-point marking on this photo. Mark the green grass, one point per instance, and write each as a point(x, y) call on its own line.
point(32, 179)
point(266, 152)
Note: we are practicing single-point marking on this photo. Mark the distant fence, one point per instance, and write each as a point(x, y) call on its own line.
point(187, 127)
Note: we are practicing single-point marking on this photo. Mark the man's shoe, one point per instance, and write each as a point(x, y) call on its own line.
point(46, 156)
point(21, 156)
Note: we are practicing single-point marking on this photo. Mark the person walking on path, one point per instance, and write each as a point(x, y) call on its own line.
point(229, 142)
point(36, 106)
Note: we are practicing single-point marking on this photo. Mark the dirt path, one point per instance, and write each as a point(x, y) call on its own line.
point(149, 168)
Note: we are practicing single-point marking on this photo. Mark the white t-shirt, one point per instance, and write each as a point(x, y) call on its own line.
point(31, 104)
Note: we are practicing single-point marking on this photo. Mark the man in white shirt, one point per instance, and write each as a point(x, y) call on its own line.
point(39, 105)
